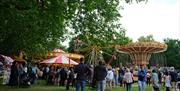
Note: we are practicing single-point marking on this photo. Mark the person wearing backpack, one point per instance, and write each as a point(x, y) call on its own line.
point(142, 78)
point(81, 70)
point(100, 74)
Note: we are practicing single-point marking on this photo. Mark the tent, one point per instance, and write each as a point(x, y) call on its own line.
point(56, 52)
point(6, 59)
point(61, 59)
point(9, 59)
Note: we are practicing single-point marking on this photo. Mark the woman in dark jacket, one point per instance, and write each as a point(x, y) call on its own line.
point(70, 78)
point(14, 76)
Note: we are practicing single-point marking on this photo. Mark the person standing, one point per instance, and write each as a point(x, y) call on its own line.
point(173, 75)
point(5, 75)
point(109, 78)
point(142, 78)
point(167, 81)
point(160, 76)
point(121, 75)
point(34, 73)
point(148, 78)
point(90, 76)
point(155, 80)
point(116, 76)
point(100, 74)
point(63, 76)
point(178, 75)
point(81, 70)
point(128, 78)
point(14, 76)
point(70, 78)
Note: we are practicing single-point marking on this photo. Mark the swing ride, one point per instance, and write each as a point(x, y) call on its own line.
point(140, 52)
point(94, 53)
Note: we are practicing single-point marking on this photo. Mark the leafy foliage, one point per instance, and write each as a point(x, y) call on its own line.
point(36, 26)
point(148, 38)
point(33, 26)
point(97, 24)
point(173, 52)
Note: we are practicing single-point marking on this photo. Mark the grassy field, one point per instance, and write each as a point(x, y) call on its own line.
point(39, 86)
point(56, 88)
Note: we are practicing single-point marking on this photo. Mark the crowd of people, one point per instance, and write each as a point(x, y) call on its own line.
point(100, 76)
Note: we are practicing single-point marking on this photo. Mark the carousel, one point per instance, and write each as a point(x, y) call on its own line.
point(58, 57)
point(57, 52)
point(140, 52)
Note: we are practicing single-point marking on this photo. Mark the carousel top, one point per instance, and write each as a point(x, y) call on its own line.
point(142, 47)
point(57, 52)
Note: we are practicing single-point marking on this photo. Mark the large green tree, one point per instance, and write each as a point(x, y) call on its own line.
point(33, 26)
point(97, 24)
point(36, 26)
point(173, 52)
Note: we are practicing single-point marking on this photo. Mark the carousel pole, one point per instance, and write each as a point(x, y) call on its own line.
point(69, 63)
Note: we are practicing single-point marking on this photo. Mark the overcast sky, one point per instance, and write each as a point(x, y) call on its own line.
point(161, 18)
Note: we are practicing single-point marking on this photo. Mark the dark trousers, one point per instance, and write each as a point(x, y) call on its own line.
point(69, 81)
point(62, 82)
point(148, 81)
point(121, 80)
point(128, 86)
point(167, 88)
point(33, 78)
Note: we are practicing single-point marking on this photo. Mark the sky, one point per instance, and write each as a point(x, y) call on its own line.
point(161, 18)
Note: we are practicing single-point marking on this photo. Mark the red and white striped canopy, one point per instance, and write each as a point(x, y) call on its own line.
point(61, 59)
point(7, 60)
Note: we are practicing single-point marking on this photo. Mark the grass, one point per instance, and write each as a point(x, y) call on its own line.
point(40, 86)
point(56, 88)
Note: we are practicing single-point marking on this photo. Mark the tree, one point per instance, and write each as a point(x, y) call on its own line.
point(36, 26)
point(148, 38)
point(173, 52)
point(97, 24)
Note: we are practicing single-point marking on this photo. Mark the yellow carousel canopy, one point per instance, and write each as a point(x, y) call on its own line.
point(73, 56)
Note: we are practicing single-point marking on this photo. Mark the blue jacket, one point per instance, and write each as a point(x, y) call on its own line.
point(142, 75)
